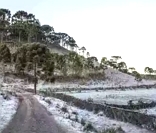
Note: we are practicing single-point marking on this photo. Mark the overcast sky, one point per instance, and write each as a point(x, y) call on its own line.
point(105, 27)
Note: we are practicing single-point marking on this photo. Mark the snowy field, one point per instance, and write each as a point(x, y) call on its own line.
point(116, 96)
point(7, 110)
point(73, 117)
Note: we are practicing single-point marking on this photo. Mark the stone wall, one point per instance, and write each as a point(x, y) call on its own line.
point(136, 118)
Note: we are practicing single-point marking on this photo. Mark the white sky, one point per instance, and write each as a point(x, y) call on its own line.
point(105, 27)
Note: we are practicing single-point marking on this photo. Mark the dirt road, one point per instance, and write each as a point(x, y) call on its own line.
point(32, 117)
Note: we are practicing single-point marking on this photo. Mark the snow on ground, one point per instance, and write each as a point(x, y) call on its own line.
point(98, 121)
point(116, 96)
point(149, 111)
point(118, 78)
point(114, 78)
point(7, 110)
point(14, 84)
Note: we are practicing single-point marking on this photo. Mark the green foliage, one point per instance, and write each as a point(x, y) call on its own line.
point(137, 76)
point(88, 127)
point(28, 54)
point(148, 70)
point(5, 55)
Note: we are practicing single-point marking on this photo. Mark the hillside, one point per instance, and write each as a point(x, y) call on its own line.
point(56, 48)
point(113, 78)
point(117, 78)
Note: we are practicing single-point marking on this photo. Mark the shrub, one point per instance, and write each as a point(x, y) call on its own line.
point(88, 127)
point(64, 109)
point(76, 118)
point(83, 122)
point(90, 100)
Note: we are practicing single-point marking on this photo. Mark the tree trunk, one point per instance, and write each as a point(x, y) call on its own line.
point(35, 80)
point(3, 67)
point(36, 38)
point(28, 39)
point(19, 37)
point(29, 36)
point(2, 37)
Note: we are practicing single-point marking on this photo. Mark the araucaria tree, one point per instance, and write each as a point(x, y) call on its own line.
point(33, 57)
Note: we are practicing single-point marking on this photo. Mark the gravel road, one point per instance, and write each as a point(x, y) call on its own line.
point(32, 117)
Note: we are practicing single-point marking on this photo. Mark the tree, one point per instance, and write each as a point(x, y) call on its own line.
point(47, 29)
point(113, 61)
point(103, 63)
point(116, 58)
point(90, 63)
point(5, 15)
point(48, 69)
point(48, 33)
point(61, 63)
point(18, 22)
point(137, 76)
point(35, 62)
point(148, 70)
point(83, 49)
point(131, 69)
point(5, 56)
point(72, 43)
point(122, 65)
point(31, 25)
point(88, 54)
point(31, 57)
point(76, 47)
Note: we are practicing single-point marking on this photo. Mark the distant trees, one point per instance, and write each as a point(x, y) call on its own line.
point(83, 49)
point(137, 76)
point(104, 63)
point(25, 27)
point(148, 70)
point(5, 15)
point(131, 69)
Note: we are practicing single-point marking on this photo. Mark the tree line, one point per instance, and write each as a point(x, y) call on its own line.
point(25, 27)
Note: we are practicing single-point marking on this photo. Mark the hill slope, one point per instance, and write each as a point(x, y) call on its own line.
point(117, 78)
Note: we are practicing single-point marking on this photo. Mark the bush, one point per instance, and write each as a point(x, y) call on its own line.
point(83, 122)
point(90, 100)
point(64, 109)
point(88, 127)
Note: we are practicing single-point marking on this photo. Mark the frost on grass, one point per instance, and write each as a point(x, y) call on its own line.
point(76, 120)
point(113, 78)
point(7, 110)
point(118, 97)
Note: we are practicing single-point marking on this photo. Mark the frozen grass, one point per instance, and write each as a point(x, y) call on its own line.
point(116, 96)
point(99, 121)
point(7, 110)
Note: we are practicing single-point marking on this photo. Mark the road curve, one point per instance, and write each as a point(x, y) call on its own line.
point(32, 117)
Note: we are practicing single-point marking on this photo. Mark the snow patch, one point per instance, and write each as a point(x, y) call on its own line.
point(7, 110)
point(98, 121)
